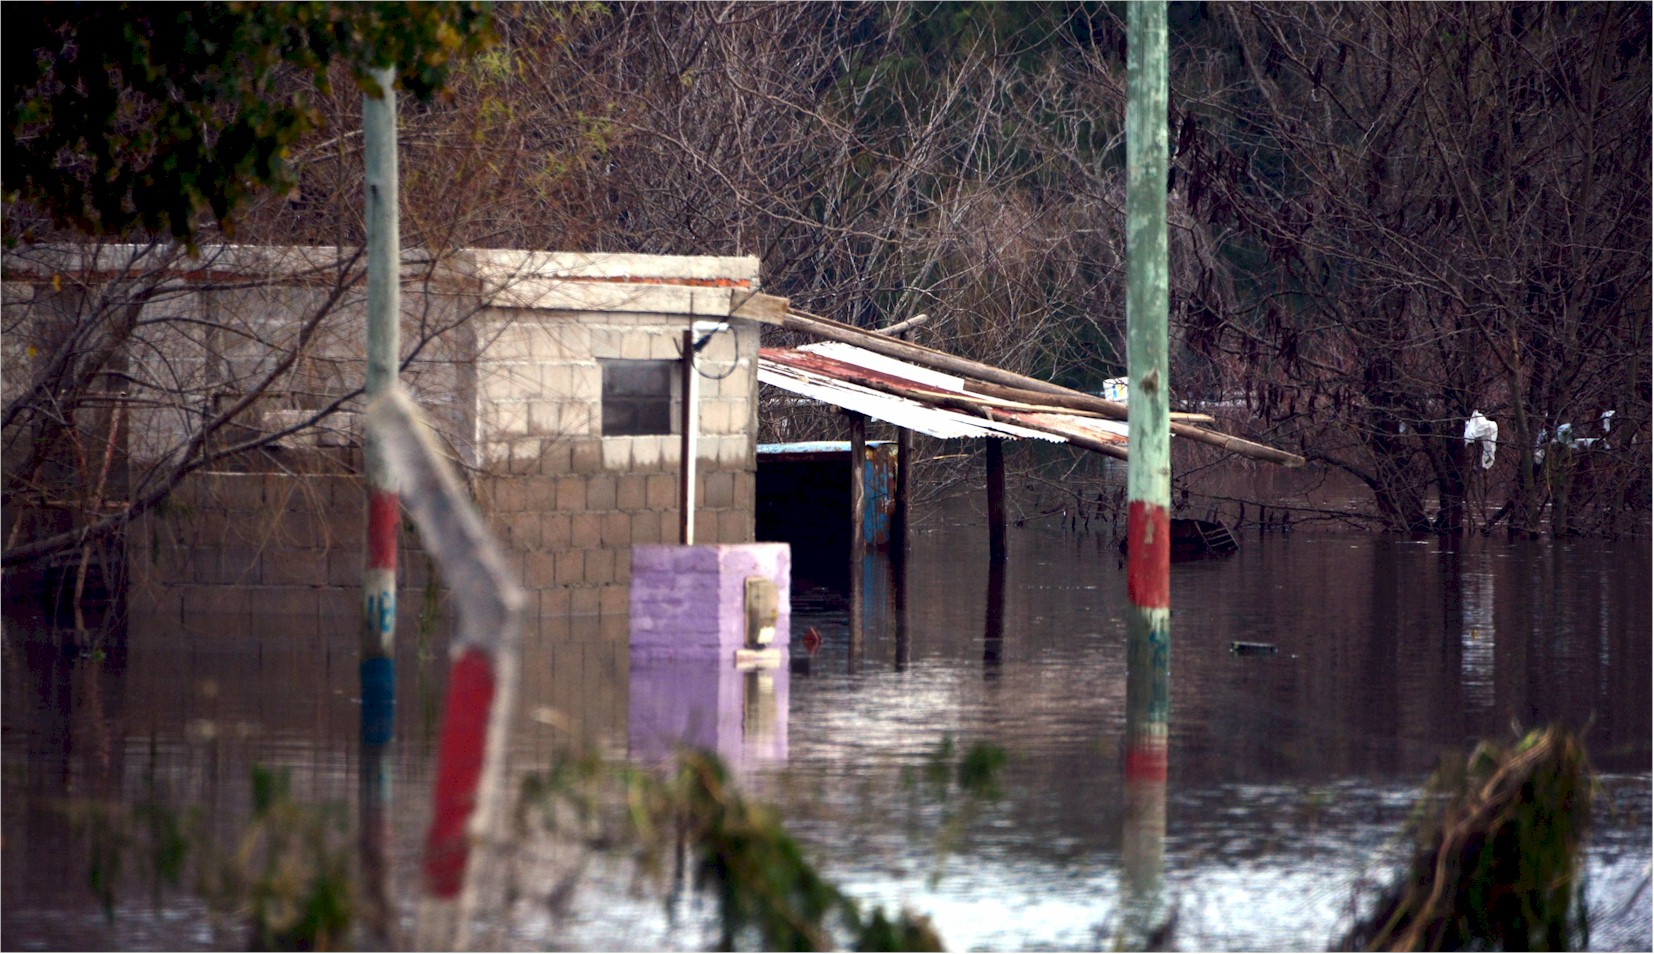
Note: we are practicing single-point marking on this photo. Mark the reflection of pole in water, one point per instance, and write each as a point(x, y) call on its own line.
point(1143, 910)
point(993, 621)
point(1476, 630)
point(898, 607)
point(1148, 526)
point(373, 799)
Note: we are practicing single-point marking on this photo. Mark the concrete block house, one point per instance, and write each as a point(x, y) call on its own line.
point(554, 378)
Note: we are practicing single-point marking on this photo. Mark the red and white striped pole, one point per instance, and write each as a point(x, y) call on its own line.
point(1148, 524)
point(462, 843)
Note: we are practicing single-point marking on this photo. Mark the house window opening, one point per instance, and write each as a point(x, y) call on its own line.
point(640, 397)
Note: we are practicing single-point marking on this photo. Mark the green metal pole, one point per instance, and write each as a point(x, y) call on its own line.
point(1148, 524)
point(1148, 487)
point(383, 347)
point(377, 669)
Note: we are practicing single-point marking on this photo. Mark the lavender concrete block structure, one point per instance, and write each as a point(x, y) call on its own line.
point(688, 602)
point(688, 622)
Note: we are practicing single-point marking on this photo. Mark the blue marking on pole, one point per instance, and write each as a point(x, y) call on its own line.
point(378, 677)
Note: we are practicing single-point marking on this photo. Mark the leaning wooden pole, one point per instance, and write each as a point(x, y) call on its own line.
point(858, 534)
point(463, 862)
point(377, 666)
point(1148, 482)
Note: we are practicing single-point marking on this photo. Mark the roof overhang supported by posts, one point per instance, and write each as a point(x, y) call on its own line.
point(874, 375)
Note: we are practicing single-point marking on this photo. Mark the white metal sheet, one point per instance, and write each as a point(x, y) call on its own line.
point(912, 415)
point(873, 361)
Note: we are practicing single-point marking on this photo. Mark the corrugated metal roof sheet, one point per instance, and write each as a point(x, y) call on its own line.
point(916, 398)
point(813, 447)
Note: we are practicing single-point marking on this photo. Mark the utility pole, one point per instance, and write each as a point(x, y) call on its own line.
point(383, 347)
point(1148, 488)
point(378, 624)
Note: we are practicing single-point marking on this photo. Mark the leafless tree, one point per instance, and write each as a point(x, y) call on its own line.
point(1429, 210)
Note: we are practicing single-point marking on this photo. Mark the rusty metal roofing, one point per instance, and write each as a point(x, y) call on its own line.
point(917, 398)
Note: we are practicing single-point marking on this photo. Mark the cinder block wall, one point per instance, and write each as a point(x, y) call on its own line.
point(516, 391)
point(568, 501)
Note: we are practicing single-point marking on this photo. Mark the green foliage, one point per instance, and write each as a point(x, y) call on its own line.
point(135, 116)
point(962, 784)
point(286, 875)
point(769, 894)
point(156, 833)
point(748, 861)
point(979, 770)
point(1498, 861)
point(289, 872)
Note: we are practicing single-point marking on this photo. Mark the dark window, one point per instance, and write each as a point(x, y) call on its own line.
point(638, 397)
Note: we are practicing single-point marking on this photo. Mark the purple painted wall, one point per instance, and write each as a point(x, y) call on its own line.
point(688, 619)
point(687, 602)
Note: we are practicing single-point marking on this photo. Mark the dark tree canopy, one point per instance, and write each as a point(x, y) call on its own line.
point(165, 117)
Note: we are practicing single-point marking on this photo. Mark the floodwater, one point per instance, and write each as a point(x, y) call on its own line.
point(1291, 774)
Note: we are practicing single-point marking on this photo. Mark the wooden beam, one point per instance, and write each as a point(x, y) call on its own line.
point(858, 538)
point(858, 487)
point(901, 328)
point(964, 367)
point(755, 306)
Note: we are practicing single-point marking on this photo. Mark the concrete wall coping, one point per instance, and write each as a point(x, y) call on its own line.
point(611, 265)
point(492, 268)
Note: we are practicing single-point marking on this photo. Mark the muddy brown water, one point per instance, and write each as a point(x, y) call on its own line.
point(1291, 773)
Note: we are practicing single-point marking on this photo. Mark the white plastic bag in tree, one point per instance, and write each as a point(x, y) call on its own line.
point(1480, 430)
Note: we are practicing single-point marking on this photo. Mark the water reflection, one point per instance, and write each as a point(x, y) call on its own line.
point(1290, 774)
point(375, 808)
point(993, 621)
point(711, 704)
point(1476, 628)
point(1145, 914)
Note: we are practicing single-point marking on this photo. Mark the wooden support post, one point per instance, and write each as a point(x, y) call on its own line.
point(858, 486)
point(858, 533)
point(899, 507)
point(690, 420)
point(904, 462)
point(898, 606)
point(1148, 526)
point(996, 499)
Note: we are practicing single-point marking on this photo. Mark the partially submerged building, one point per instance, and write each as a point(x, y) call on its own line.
point(555, 379)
